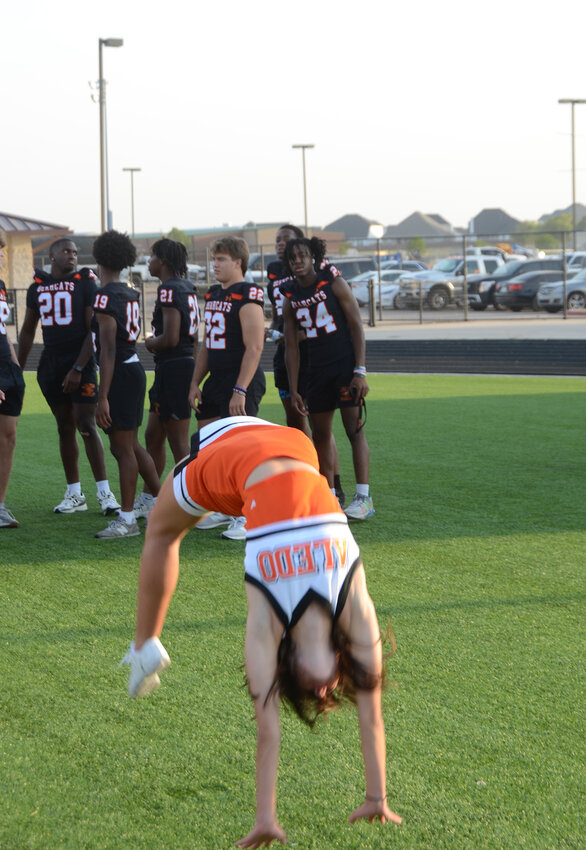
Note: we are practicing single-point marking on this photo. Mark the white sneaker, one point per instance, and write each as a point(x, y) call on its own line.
point(213, 521)
point(360, 507)
point(236, 530)
point(107, 502)
point(119, 528)
point(71, 503)
point(145, 665)
point(7, 519)
point(143, 505)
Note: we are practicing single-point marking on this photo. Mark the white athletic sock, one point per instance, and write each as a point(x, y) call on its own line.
point(74, 489)
point(362, 489)
point(128, 517)
point(103, 486)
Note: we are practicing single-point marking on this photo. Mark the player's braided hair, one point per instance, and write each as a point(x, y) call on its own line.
point(114, 251)
point(173, 254)
point(316, 247)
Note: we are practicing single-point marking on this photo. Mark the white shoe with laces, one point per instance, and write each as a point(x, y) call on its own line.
point(71, 503)
point(118, 528)
point(236, 530)
point(107, 502)
point(145, 665)
point(214, 521)
point(361, 507)
point(7, 519)
point(143, 505)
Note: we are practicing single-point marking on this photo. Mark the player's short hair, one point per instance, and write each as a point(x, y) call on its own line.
point(114, 251)
point(173, 254)
point(299, 234)
point(234, 246)
point(316, 247)
point(61, 241)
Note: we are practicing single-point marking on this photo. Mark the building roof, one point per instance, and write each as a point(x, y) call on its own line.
point(19, 224)
point(421, 224)
point(353, 226)
point(493, 222)
point(580, 213)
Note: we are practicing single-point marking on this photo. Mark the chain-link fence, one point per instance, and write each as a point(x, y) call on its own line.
point(459, 278)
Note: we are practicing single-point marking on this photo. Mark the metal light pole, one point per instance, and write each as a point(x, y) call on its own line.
point(303, 149)
point(132, 170)
point(573, 102)
point(104, 42)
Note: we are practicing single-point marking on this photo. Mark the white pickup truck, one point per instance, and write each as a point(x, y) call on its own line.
point(444, 283)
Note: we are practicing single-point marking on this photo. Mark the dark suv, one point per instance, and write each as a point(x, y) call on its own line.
point(482, 287)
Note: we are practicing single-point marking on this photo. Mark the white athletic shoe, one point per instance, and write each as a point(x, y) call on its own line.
point(71, 503)
point(7, 519)
point(213, 521)
point(145, 665)
point(107, 502)
point(236, 530)
point(360, 507)
point(119, 528)
point(143, 505)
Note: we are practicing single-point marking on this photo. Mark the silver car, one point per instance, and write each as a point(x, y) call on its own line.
point(389, 287)
point(551, 295)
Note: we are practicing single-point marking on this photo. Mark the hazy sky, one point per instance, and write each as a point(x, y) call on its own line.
point(439, 107)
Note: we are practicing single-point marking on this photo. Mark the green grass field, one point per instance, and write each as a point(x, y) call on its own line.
point(476, 555)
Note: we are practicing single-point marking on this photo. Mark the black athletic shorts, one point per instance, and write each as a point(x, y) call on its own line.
point(126, 397)
point(169, 393)
point(280, 369)
point(53, 367)
point(217, 392)
point(12, 382)
point(327, 388)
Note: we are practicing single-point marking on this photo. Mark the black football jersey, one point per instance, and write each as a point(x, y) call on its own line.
point(178, 294)
point(319, 314)
point(122, 302)
point(276, 275)
point(223, 329)
point(61, 305)
point(4, 315)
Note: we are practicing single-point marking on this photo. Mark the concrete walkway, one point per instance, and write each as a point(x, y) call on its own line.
point(488, 326)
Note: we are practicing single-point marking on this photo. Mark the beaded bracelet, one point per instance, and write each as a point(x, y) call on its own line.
point(238, 389)
point(375, 799)
point(360, 371)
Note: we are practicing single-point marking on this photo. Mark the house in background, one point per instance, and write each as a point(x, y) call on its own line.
point(355, 228)
point(424, 225)
point(494, 222)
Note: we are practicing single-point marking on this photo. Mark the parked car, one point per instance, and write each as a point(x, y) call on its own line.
point(444, 283)
point(576, 259)
point(349, 267)
point(481, 287)
point(406, 265)
point(521, 291)
point(257, 264)
point(551, 295)
point(389, 287)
